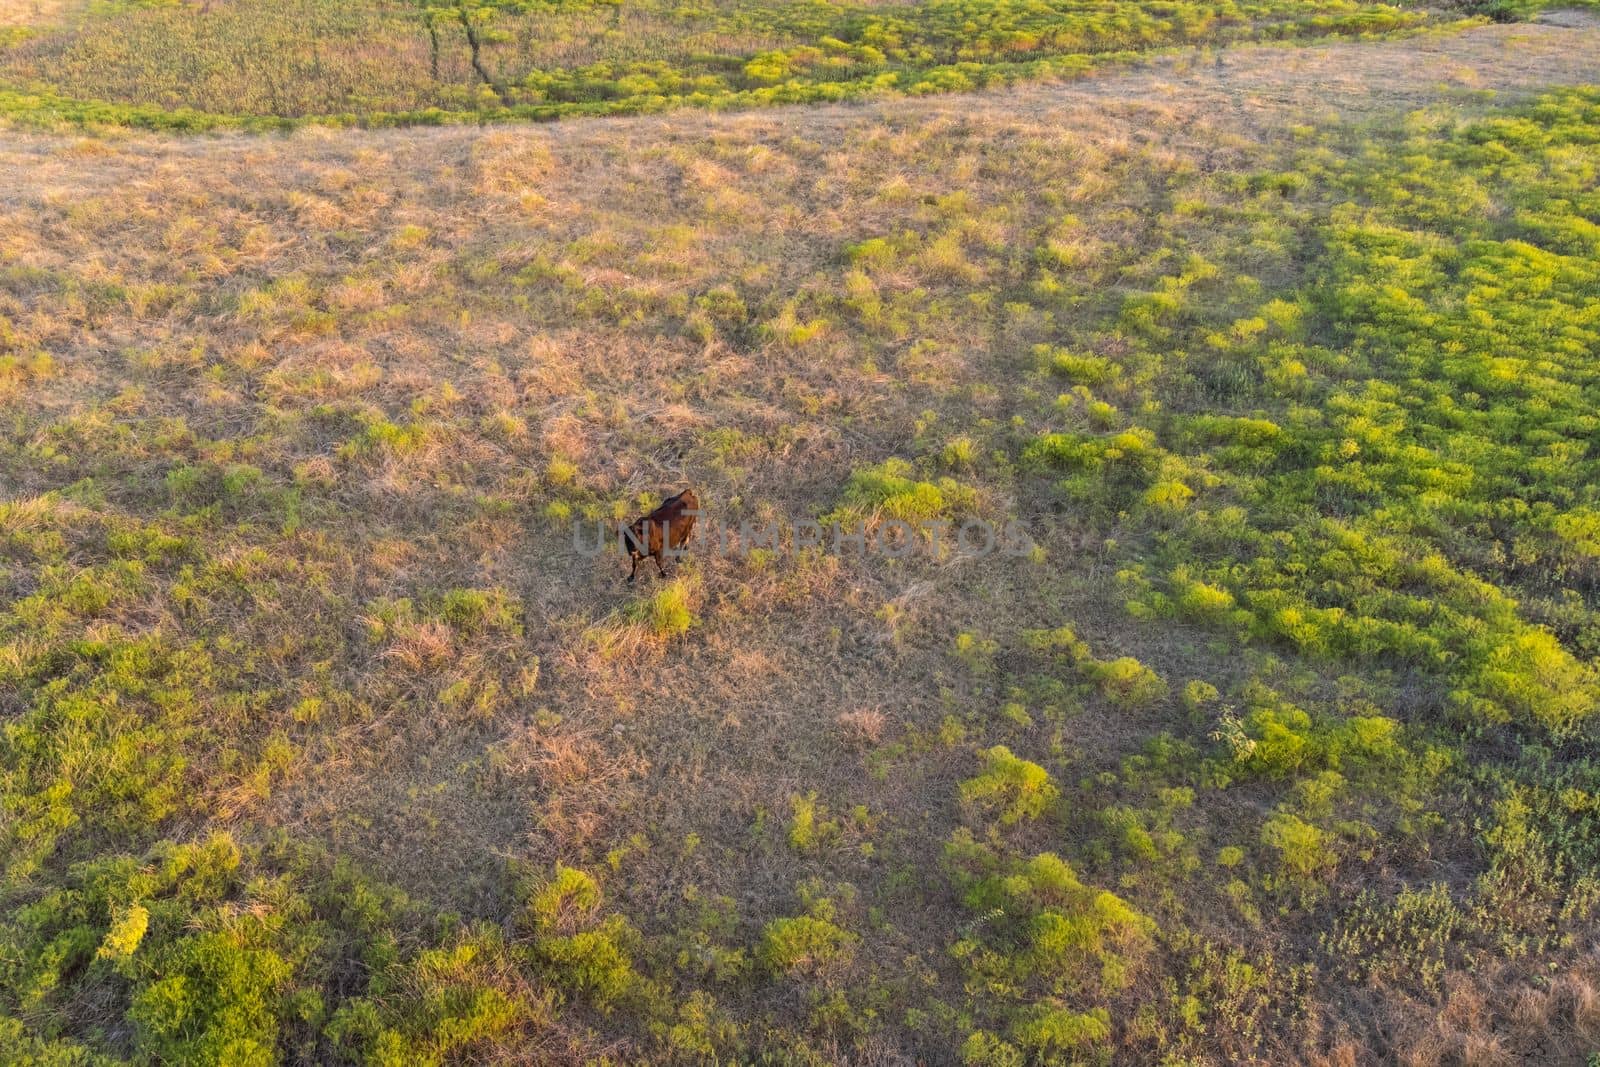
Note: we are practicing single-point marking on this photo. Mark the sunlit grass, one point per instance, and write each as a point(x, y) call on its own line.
point(325, 741)
point(264, 62)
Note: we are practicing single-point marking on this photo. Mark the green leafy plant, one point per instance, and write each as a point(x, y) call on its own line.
point(1014, 789)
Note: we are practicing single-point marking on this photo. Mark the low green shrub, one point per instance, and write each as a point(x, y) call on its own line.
point(1012, 788)
point(803, 944)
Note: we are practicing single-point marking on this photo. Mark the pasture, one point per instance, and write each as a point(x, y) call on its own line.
point(323, 741)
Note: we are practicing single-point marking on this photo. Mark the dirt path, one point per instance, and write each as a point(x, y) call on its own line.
point(1354, 79)
point(1253, 86)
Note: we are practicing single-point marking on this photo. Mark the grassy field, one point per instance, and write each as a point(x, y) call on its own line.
point(321, 742)
point(187, 65)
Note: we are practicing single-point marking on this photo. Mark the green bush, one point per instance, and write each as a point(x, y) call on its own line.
point(667, 610)
point(1127, 683)
point(1046, 1030)
point(1068, 930)
point(1012, 788)
point(891, 490)
point(218, 1002)
point(479, 611)
point(1079, 368)
point(1302, 847)
point(983, 1049)
point(579, 948)
point(803, 943)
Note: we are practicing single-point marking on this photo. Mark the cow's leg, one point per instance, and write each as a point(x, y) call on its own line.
point(660, 568)
point(635, 572)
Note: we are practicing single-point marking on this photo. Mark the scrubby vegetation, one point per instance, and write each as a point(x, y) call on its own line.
point(322, 741)
point(173, 64)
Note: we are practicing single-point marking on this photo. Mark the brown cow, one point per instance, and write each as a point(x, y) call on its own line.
point(663, 531)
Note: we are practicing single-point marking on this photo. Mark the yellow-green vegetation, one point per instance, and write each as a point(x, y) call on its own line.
point(802, 942)
point(1015, 789)
point(323, 742)
point(666, 611)
point(892, 490)
point(188, 66)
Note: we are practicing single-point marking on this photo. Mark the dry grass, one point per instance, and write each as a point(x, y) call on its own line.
point(36, 12)
point(453, 345)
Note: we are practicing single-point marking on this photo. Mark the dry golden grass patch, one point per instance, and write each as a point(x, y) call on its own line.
point(36, 12)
